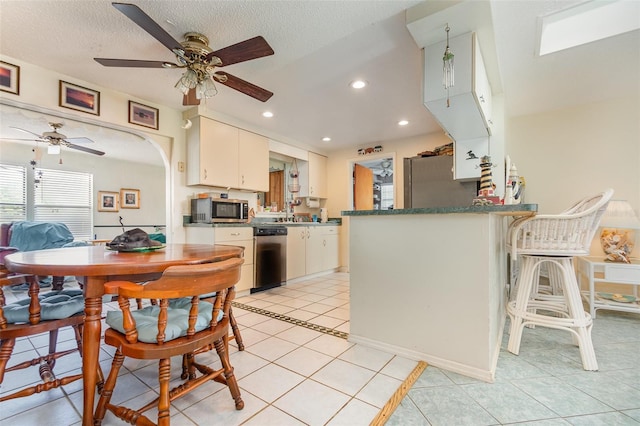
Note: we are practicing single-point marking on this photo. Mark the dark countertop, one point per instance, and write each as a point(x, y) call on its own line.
point(506, 210)
point(255, 224)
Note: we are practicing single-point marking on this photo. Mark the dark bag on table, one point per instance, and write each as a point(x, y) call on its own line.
point(135, 238)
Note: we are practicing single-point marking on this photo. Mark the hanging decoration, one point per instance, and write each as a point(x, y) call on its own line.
point(448, 79)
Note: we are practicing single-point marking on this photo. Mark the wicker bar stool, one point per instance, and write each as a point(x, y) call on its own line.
point(553, 241)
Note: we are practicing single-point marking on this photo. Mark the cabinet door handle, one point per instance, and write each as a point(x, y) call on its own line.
point(308, 234)
point(243, 179)
point(482, 98)
point(205, 174)
point(324, 242)
point(302, 235)
point(235, 234)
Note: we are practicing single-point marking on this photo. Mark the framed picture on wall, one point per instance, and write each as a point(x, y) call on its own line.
point(130, 198)
point(79, 98)
point(143, 115)
point(108, 201)
point(9, 78)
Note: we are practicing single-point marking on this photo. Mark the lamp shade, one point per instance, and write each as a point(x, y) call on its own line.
point(619, 214)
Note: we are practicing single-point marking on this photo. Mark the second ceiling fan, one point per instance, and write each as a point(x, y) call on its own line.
point(197, 59)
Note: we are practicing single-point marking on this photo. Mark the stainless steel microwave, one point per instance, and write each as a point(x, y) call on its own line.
point(212, 210)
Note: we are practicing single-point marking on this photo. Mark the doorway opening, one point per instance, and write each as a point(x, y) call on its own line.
point(373, 184)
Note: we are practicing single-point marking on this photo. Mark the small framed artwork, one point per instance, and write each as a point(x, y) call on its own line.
point(108, 201)
point(130, 198)
point(143, 115)
point(79, 98)
point(9, 78)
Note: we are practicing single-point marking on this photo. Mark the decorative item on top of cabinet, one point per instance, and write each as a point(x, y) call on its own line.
point(224, 156)
point(313, 177)
point(469, 113)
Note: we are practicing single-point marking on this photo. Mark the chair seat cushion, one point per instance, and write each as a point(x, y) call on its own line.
point(53, 305)
point(177, 320)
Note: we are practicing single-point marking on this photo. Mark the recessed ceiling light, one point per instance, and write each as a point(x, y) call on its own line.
point(403, 123)
point(267, 114)
point(326, 139)
point(358, 84)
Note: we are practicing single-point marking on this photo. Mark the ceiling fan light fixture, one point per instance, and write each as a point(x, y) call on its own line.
point(188, 81)
point(53, 149)
point(206, 89)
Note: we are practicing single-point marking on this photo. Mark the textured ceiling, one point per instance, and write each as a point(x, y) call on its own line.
point(320, 46)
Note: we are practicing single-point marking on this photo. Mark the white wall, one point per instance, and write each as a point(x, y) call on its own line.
point(39, 88)
point(108, 175)
point(567, 154)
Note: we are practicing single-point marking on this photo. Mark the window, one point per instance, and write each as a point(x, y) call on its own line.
point(60, 196)
point(386, 196)
point(13, 194)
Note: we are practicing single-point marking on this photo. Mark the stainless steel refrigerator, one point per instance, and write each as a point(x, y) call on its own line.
point(428, 182)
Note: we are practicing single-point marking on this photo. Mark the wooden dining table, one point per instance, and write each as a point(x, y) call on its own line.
point(93, 266)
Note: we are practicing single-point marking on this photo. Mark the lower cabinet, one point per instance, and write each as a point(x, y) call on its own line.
point(296, 251)
point(233, 236)
point(311, 249)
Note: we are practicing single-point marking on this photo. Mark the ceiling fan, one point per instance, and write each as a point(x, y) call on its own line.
point(57, 140)
point(197, 59)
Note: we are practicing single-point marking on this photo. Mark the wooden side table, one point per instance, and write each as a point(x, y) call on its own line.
point(596, 270)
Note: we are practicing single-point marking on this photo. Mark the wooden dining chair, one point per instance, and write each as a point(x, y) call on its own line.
point(38, 313)
point(181, 324)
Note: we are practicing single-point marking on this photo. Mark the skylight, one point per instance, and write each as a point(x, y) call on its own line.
point(587, 22)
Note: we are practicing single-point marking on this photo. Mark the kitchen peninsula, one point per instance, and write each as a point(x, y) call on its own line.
point(429, 284)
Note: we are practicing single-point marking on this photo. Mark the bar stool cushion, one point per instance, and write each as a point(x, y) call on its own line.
point(177, 320)
point(53, 305)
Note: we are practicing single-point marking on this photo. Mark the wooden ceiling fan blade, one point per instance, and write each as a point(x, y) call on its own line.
point(84, 148)
point(143, 20)
point(134, 63)
point(253, 48)
point(190, 98)
point(245, 87)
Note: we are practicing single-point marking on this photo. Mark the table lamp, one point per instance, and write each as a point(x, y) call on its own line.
point(619, 223)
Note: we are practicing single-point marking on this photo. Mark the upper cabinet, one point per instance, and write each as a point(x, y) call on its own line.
point(253, 161)
point(469, 113)
point(224, 156)
point(313, 177)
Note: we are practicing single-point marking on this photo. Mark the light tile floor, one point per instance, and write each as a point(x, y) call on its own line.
point(292, 373)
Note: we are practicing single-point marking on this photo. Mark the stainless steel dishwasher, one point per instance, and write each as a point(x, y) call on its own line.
point(270, 260)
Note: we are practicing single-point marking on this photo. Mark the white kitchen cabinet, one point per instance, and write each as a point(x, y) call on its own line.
point(236, 236)
point(464, 165)
point(296, 251)
point(240, 236)
point(253, 161)
point(224, 156)
point(314, 250)
point(313, 176)
point(330, 248)
point(468, 115)
point(311, 249)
